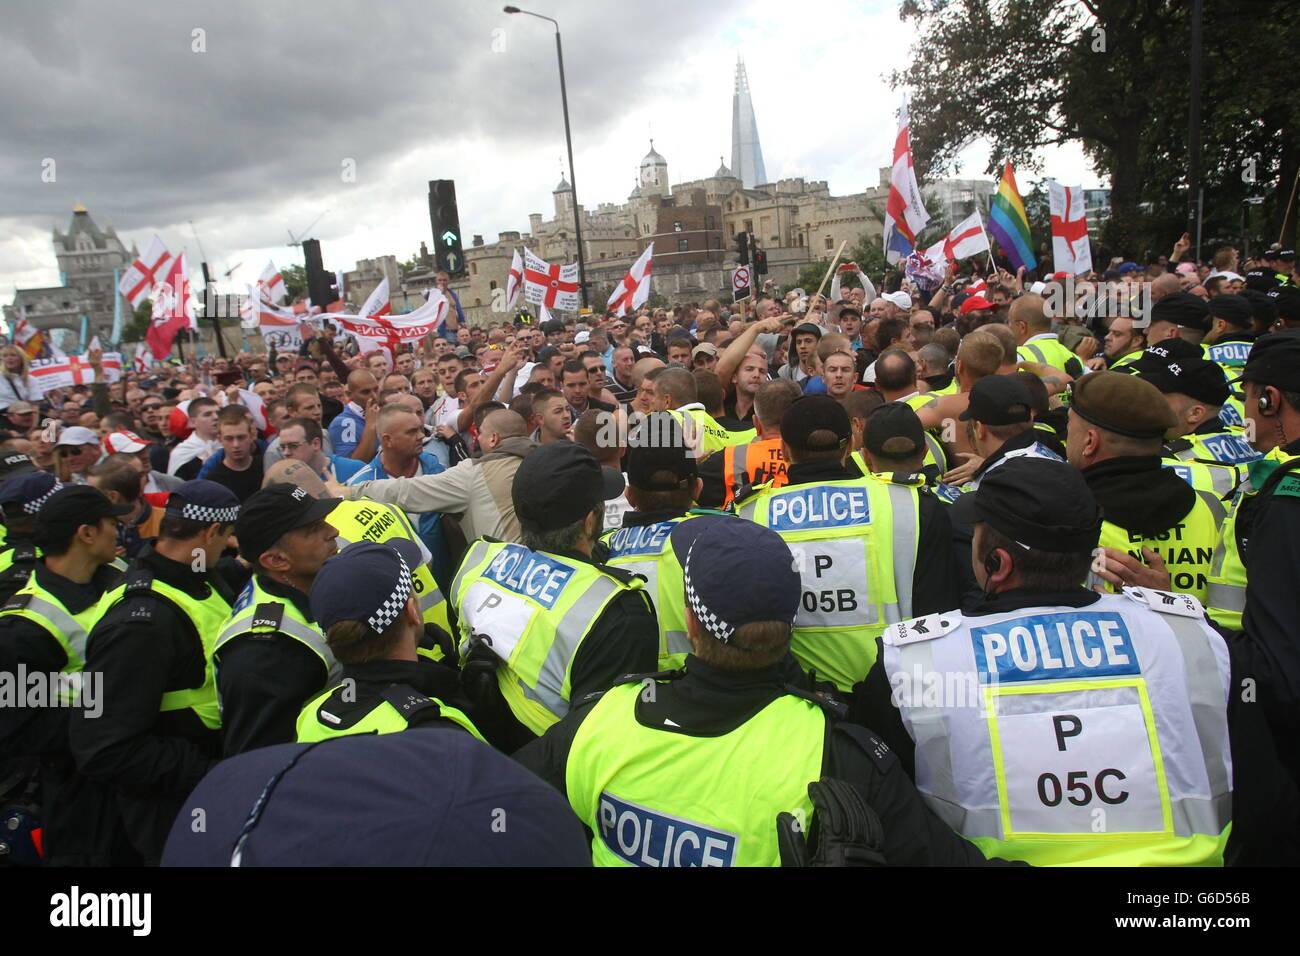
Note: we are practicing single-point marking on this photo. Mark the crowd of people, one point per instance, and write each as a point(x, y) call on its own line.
point(1002, 571)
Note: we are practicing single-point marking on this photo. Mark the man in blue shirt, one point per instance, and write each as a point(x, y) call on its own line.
point(348, 426)
point(400, 432)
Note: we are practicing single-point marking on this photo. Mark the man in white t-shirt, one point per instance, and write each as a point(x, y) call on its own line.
point(190, 454)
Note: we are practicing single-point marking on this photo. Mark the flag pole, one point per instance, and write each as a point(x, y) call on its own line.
point(1290, 203)
point(825, 279)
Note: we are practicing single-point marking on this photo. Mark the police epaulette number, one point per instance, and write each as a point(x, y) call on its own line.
point(920, 629)
point(17, 602)
point(267, 616)
point(1167, 602)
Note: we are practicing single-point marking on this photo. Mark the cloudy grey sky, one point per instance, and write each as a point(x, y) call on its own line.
point(249, 138)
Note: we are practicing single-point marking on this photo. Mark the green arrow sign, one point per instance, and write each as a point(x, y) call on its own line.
point(449, 237)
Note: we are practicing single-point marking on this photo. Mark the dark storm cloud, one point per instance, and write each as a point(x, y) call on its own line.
point(147, 132)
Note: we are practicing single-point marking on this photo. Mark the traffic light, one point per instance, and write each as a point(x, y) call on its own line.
point(760, 262)
point(320, 284)
point(742, 248)
point(445, 220)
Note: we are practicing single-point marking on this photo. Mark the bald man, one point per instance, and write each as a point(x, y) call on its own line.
point(349, 425)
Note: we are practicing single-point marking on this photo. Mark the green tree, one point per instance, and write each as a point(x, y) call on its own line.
point(295, 280)
point(134, 329)
point(1111, 75)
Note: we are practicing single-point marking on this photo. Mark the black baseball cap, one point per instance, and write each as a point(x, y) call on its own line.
point(716, 552)
point(806, 328)
point(1036, 502)
point(1167, 349)
point(71, 506)
point(273, 511)
point(1262, 308)
point(14, 464)
point(1275, 360)
point(1287, 301)
point(658, 456)
point(1286, 255)
point(367, 581)
point(1261, 280)
point(1233, 309)
point(558, 483)
point(999, 400)
point(1184, 309)
point(1196, 378)
point(894, 432)
point(815, 413)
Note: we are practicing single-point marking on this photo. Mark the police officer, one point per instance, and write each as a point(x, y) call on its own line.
point(542, 621)
point(1000, 425)
point(856, 538)
point(159, 731)
point(366, 603)
point(366, 520)
point(693, 768)
point(270, 656)
point(1199, 449)
point(1117, 427)
point(20, 498)
point(662, 485)
point(1232, 318)
point(1255, 568)
point(43, 630)
point(1068, 727)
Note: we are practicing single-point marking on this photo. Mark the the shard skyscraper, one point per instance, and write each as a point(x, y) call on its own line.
point(746, 154)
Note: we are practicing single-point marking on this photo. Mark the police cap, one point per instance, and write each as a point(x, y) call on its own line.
point(558, 484)
point(815, 423)
point(1036, 502)
point(658, 457)
point(894, 432)
point(1287, 301)
point(1123, 404)
point(1275, 360)
point(999, 400)
point(1184, 309)
point(274, 511)
point(1233, 309)
point(1196, 378)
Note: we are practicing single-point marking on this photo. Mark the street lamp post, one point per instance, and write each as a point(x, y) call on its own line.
point(568, 142)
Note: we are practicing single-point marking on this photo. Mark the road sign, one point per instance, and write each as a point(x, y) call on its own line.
point(740, 284)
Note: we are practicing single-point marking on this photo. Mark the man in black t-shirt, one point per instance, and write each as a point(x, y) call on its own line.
point(240, 468)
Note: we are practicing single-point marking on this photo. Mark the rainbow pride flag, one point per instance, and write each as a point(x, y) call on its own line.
point(1009, 224)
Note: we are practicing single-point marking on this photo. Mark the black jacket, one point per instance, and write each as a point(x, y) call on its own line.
point(709, 702)
point(623, 640)
point(71, 815)
point(373, 679)
point(264, 679)
point(1266, 807)
point(145, 646)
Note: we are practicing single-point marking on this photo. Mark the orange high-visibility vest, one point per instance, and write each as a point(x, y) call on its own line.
point(753, 464)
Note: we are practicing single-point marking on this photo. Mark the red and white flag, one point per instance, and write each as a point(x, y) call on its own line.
point(634, 290)
point(555, 287)
point(172, 309)
point(966, 239)
point(140, 278)
point(1071, 251)
point(142, 359)
point(377, 302)
point(905, 214)
point(514, 281)
point(271, 284)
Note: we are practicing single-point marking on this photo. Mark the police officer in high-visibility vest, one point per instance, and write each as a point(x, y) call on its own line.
point(159, 731)
point(1030, 320)
point(1115, 437)
point(694, 767)
point(43, 632)
point(758, 462)
point(365, 601)
point(1047, 722)
point(1000, 425)
point(17, 494)
point(1196, 390)
point(541, 622)
point(677, 394)
point(1232, 321)
point(270, 656)
point(1255, 569)
point(855, 538)
point(662, 485)
point(363, 519)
